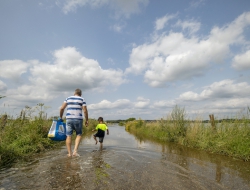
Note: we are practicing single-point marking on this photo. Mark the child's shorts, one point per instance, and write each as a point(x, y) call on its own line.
point(100, 138)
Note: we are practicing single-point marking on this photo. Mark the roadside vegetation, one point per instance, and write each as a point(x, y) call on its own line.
point(23, 137)
point(229, 137)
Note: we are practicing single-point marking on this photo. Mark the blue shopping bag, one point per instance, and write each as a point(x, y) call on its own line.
point(57, 131)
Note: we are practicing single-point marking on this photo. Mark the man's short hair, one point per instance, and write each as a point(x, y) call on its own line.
point(100, 119)
point(78, 92)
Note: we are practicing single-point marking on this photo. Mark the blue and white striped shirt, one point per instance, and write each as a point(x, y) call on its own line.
point(74, 107)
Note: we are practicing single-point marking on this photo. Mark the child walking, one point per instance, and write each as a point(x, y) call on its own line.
point(100, 128)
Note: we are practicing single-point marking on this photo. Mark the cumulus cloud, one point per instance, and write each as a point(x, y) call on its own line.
point(121, 104)
point(219, 90)
point(122, 108)
point(142, 103)
point(121, 7)
point(70, 69)
point(175, 56)
point(105, 104)
point(242, 61)
point(190, 96)
point(13, 69)
point(30, 93)
point(45, 81)
point(233, 103)
point(165, 104)
point(220, 97)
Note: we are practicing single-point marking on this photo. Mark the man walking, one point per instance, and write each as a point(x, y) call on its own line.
point(74, 119)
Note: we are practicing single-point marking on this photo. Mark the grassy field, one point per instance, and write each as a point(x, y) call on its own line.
point(227, 137)
point(21, 138)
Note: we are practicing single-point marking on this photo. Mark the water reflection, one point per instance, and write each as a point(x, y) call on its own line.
point(224, 170)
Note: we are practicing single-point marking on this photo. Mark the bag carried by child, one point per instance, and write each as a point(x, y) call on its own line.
point(57, 131)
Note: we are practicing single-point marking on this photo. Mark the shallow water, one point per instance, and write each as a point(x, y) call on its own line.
point(128, 163)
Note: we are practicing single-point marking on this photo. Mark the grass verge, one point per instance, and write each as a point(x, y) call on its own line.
point(20, 139)
point(229, 137)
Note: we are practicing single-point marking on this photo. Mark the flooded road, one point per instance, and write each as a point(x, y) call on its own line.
point(128, 163)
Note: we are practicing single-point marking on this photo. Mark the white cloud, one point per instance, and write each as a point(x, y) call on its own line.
point(163, 21)
point(123, 108)
point(31, 93)
point(13, 69)
point(223, 97)
point(172, 57)
point(232, 103)
point(190, 26)
point(142, 103)
point(105, 104)
point(68, 71)
point(242, 61)
point(219, 90)
point(111, 61)
point(72, 5)
point(196, 3)
point(126, 8)
point(223, 108)
point(71, 70)
point(118, 27)
point(121, 7)
point(190, 96)
point(3, 87)
point(220, 98)
point(164, 104)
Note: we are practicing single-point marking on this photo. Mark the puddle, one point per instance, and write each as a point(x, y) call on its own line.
point(128, 163)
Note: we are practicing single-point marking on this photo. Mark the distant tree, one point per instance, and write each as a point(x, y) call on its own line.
point(130, 119)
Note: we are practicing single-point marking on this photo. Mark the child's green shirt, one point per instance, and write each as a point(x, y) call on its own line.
point(101, 126)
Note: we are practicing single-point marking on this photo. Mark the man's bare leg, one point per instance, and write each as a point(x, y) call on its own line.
point(77, 142)
point(68, 145)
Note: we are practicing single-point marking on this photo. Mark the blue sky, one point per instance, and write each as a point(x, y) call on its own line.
point(131, 58)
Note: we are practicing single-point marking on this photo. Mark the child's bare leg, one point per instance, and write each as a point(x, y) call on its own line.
point(95, 140)
point(101, 146)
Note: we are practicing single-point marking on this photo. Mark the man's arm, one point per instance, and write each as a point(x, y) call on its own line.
point(64, 105)
point(86, 115)
point(107, 131)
